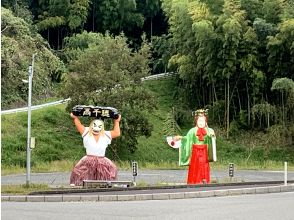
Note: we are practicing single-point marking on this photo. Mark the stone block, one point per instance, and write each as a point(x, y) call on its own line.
point(189, 195)
point(5, 198)
point(286, 188)
point(260, 190)
point(223, 192)
point(18, 198)
point(92, 198)
point(233, 192)
point(71, 198)
point(274, 189)
point(177, 196)
point(126, 197)
point(107, 197)
point(160, 196)
point(249, 191)
point(36, 198)
point(55, 198)
point(204, 194)
point(143, 197)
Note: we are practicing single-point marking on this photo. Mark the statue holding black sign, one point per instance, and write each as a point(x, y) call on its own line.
point(95, 166)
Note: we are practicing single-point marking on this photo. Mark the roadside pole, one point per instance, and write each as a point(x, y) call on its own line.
point(285, 173)
point(28, 165)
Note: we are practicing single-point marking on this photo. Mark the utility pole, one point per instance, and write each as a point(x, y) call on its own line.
point(28, 167)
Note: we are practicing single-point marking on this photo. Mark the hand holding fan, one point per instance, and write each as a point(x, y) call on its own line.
point(172, 143)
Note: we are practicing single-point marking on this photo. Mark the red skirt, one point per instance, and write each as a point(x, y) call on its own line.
point(93, 168)
point(199, 171)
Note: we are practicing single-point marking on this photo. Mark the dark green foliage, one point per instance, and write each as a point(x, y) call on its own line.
point(107, 72)
point(161, 53)
point(58, 19)
point(280, 155)
point(170, 126)
point(272, 10)
point(54, 13)
point(19, 43)
point(117, 16)
point(228, 59)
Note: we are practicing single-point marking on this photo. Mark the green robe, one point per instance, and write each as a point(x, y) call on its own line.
point(187, 141)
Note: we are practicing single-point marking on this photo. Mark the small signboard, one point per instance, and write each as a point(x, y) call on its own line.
point(33, 143)
point(135, 168)
point(95, 111)
point(231, 170)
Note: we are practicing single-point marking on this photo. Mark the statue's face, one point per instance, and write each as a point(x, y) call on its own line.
point(201, 122)
point(98, 125)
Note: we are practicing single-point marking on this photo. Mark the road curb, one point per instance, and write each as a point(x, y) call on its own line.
point(153, 196)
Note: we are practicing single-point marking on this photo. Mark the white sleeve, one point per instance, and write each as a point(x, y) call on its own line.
point(85, 131)
point(108, 137)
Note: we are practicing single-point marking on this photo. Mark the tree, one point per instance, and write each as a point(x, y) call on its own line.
point(288, 10)
point(150, 9)
point(55, 16)
point(281, 50)
point(108, 73)
point(232, 25)
point(286, 87)
point(118, 16)
point(161, 52)
point(272, 10)
point(252, 8)
point(264, 111)
point(251, 71)
point(183, 48)
point(19, 42)
point(78, 13)
point(20, 8)
point(75, 45)
point(282, 132)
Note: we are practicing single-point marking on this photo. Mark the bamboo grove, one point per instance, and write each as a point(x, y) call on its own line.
point(237, 59)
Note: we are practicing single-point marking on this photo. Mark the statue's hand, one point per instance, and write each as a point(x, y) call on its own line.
point(211, 133)
point(118, 119)
point(73, 116)
point(177, 138)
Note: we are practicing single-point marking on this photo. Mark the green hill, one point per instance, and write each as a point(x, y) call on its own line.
point(58, 140)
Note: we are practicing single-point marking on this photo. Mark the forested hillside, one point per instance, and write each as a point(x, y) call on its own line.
point(234, 57)
point(19, 41)
point(58, 142)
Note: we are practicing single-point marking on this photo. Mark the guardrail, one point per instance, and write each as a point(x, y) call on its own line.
point(157, 76)
point(11, 111)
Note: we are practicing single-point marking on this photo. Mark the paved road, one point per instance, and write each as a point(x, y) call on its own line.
point(271, 206)
point(153, 177)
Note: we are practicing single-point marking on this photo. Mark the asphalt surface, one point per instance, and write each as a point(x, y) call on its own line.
point(271, 206)
point(154, 177)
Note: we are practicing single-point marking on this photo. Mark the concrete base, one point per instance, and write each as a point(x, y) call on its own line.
point(89, 184)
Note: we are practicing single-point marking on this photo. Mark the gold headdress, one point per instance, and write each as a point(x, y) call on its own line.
point(200, 112)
